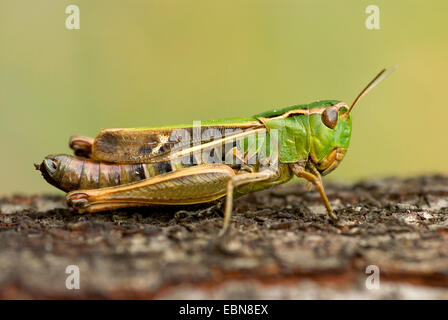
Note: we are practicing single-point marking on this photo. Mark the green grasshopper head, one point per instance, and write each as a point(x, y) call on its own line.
point(331, 129)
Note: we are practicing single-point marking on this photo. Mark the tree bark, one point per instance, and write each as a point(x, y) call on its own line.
point(281, 245)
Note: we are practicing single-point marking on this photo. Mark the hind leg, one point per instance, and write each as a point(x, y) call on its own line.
point(198, 184)
point(82, 146)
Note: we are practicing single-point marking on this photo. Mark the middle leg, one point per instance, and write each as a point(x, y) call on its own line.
point(237, 181)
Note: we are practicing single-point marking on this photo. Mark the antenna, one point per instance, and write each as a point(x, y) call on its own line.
point(372, 84)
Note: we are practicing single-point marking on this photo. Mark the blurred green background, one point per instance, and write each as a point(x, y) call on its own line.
point(151, 63)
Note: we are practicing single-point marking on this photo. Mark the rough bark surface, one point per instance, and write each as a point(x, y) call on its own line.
point(281, 246)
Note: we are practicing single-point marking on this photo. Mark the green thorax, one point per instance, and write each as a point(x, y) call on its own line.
point(309, 106)
point(303, 133)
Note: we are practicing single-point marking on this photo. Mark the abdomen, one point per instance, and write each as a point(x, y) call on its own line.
point(79, 173)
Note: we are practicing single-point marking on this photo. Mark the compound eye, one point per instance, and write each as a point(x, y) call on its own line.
point(330, 117)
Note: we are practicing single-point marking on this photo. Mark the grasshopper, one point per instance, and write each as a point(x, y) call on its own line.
point(166, 166)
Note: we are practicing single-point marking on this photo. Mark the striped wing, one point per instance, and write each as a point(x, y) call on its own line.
point(153, 145)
